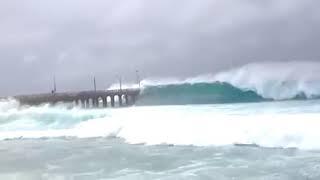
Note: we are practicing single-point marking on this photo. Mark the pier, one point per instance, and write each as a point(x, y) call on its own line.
point(84, 99)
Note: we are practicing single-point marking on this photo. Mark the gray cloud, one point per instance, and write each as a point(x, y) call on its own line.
point(77, 39)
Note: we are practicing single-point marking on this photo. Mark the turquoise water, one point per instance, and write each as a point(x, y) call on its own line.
point(264, 140)
point(107, 158)
point(198, 93)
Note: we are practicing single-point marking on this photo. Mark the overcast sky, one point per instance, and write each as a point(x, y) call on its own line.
point(78, 39)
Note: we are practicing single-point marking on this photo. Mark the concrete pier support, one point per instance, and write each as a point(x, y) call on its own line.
point(133, 100)
point(95, 102)
point(126, 97)
point(112, 101)
point(105, 103)
point(87, 103)
point(83, 103)
point(120, 100)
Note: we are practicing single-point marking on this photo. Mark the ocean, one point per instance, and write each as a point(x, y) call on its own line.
point(238, 124)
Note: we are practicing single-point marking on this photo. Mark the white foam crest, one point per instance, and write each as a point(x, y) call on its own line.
point(8, 104)
point(147, 82)
point(195, 125)
point(274, 80)
point(160, 82)
point(267, 131)
point(123, 86)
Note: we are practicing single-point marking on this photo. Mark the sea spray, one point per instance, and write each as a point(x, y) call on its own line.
point(276, 80)
point(267, 124)
point(13, 116)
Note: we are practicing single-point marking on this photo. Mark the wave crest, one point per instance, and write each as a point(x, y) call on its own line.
point(250, 83)
point(278, 81)
point(198, 93)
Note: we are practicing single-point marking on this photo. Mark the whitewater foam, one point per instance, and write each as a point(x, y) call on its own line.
point(273, 124)
point(281, 80)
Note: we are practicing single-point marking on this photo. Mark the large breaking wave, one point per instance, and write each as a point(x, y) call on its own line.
point(250, 83)
point(197, 93)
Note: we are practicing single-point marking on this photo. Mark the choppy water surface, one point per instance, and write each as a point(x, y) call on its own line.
point(276, 136)
point(274, 140)
point(105, 158)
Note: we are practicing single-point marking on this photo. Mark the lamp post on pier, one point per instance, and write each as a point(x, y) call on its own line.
point(54, 90)
point(94, 84)
point(138, 79)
